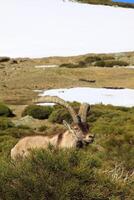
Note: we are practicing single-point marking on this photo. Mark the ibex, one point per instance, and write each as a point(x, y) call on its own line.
point(77, 134)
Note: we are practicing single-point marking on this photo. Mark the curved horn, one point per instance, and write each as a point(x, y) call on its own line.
point(57, 100)
point(83, 111)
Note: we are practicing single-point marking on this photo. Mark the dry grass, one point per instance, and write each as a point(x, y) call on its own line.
point(17, 81)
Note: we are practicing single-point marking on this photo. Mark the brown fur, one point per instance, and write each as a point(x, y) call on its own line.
point(60, 137)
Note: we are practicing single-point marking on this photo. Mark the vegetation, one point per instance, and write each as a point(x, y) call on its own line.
point(97, 60)
point(108, 3)
point(110, 63)
point(74, 65)
point(5, 111)
point(38, 112)
point(91, 59)
point(4, 59)
point(22, 93)
point(104, 170)
point(5, 123)
point(58, 115)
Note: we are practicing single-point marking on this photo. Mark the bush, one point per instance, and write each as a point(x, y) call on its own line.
point(110, 63)
point(99, 63)
point(91, 59)
point(107, 57)
point(38, 112)
point(68, 65)
point(5, 123)
point(82, 64)
point(57, 116)
point(60, 113)
point(4, 59)
point(5, 111)
point(43, 128)
point(74, 65)
point(102, 170)
point(60, 175)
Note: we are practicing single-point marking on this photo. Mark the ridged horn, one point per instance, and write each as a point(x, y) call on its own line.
point(83, 111)
point(57, 100)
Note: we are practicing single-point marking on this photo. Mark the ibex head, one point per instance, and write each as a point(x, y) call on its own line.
point(79, 128)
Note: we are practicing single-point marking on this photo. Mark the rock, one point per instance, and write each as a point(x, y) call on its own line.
point(27, 121)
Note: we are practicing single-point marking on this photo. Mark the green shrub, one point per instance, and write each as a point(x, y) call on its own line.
point(43, 128)
point(99, 63)
point(110, 63)
point(57, 116)
point(68, 65)
point(38, 112)
point(107, 57)
point(4, 59)
point(6, 144)
point(82, 64)
point(5, 123)
point(91, 59)
point(74, 65)
point(60, 175)
point(102, 170)
point(5, 111)
point(60, 113)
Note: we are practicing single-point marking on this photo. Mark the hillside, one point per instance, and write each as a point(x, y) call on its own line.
point(29, 78)
point(108, 3)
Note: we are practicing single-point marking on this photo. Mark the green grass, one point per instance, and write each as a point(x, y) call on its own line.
point(101, 171)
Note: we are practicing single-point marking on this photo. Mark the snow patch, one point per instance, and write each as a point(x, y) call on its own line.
point(56, 27)
point(116, 97)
